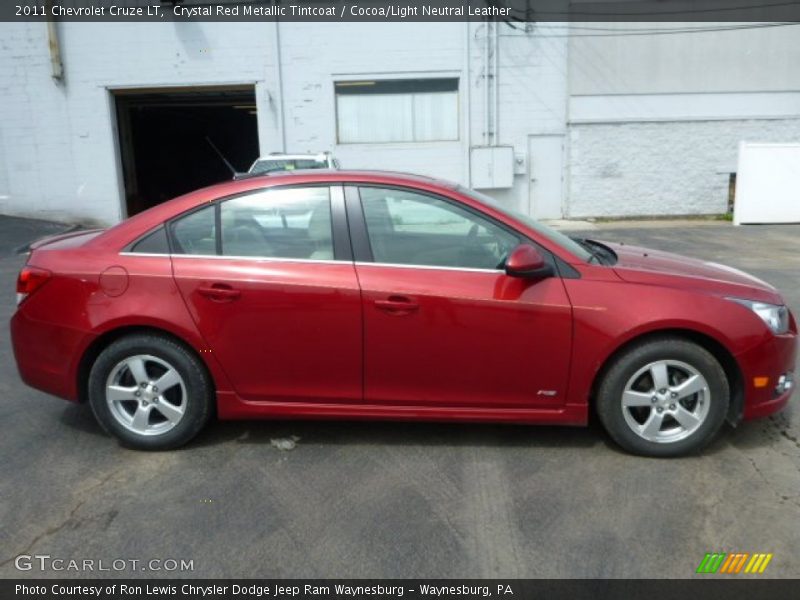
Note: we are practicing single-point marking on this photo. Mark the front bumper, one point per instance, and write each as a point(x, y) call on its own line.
point(771, 359)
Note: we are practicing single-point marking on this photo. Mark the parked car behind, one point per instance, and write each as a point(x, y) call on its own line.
point(347, 294)
point(273, 163)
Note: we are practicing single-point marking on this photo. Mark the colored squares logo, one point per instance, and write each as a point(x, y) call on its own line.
point(734, 563)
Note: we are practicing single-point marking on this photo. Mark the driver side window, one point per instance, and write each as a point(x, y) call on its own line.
point(408, 228)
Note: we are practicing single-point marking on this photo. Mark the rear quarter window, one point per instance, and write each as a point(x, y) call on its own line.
point(154, 242)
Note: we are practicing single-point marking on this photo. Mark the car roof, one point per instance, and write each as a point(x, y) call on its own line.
point(300, 176)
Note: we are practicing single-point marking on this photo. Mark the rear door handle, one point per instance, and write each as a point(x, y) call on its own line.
point(397, 305)
point(219, 292)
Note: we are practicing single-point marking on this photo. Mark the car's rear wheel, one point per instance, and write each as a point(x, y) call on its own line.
point(663, 397)
point(150, 392)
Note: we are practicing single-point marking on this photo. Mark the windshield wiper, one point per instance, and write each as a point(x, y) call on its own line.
point(595, 252)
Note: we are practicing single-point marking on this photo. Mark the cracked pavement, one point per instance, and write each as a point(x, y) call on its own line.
point(365, 499)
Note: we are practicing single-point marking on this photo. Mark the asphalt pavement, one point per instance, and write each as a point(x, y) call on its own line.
point(366, 499)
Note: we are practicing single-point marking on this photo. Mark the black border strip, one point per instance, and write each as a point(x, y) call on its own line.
point(512, 12)
point(748, 587)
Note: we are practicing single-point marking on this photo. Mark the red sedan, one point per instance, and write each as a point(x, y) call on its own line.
point(343, 294)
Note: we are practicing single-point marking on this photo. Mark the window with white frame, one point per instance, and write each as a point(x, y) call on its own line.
point(397, 110)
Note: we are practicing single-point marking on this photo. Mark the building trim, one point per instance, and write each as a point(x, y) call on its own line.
point(733, 106)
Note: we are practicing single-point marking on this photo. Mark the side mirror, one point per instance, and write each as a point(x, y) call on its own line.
point(526, 261)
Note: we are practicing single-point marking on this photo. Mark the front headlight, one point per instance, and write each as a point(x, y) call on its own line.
point(774, 316)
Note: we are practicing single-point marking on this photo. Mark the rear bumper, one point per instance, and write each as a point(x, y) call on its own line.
point(772, 358)
point(47, 354)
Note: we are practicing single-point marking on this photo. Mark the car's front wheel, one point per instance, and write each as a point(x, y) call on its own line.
point(663, 397)
point(150, 392)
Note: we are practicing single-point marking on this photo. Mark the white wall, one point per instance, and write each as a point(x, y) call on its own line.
point(742, 60)
point(533, 99)
point(661, 168)
point(652, 124)
point(69, 128)
point(532, 90)
point(59, 139)
point(656, 120)
point(315, 56)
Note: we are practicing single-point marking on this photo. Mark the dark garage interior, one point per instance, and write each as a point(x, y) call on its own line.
point(173, 141)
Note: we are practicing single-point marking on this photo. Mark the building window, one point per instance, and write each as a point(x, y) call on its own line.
point(398, 110)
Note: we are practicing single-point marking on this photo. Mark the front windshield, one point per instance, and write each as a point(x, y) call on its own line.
point(551, 234)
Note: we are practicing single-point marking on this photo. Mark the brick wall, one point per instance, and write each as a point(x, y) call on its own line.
point(58, 145)
point(58, 150)
point(660, 168)
point(58, 139)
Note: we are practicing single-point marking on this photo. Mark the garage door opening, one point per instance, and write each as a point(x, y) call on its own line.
point(177, 140)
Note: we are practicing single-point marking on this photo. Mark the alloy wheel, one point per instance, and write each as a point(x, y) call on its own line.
point(146, 395)
point(666, 401)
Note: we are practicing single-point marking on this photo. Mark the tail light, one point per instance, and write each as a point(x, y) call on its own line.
point(30, 279)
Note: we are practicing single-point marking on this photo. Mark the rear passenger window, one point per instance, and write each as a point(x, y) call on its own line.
point(279, 223)
point(196, 232)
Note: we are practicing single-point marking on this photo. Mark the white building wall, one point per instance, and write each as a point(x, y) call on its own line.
point(315, 56)
point(61, 158)
point(651, 124)
point(35, 127)
point(531, 95)
point(59, 140)
point(656, 120)
point(744, 59)
point(532, 100)
point(661, 168)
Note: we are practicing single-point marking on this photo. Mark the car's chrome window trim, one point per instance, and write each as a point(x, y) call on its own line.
point(434, 267)
point(253, 258)
point(312, 260)
point(263, 258)
point(128, 253)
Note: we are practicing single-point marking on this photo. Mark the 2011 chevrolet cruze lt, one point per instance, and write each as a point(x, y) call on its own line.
point(343, 294)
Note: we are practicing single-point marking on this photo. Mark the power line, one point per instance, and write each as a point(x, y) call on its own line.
point(680, 28)
point(627, 33)
point(644, 13)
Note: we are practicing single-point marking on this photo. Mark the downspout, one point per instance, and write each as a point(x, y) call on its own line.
point(496, 86)
point(279, 82)
point(56, 65)
point(467, 106)
point(486, 93)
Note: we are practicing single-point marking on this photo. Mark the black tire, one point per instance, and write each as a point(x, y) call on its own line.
point(612, 413)
point(196, 392)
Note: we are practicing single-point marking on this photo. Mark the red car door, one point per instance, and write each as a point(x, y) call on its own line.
point(274, 293)
point(443, 325)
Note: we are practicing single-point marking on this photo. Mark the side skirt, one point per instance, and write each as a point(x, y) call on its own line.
point(230, 407)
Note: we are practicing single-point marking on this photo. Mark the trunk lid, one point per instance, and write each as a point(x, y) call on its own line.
point(71, 239)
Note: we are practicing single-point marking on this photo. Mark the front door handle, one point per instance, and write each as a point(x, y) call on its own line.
point(397, 305)
point(219, 292)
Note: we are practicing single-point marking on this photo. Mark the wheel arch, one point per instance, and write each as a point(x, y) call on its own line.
point(108, 337)
point(733, 371)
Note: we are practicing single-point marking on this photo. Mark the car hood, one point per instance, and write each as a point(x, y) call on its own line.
point(644, 265)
